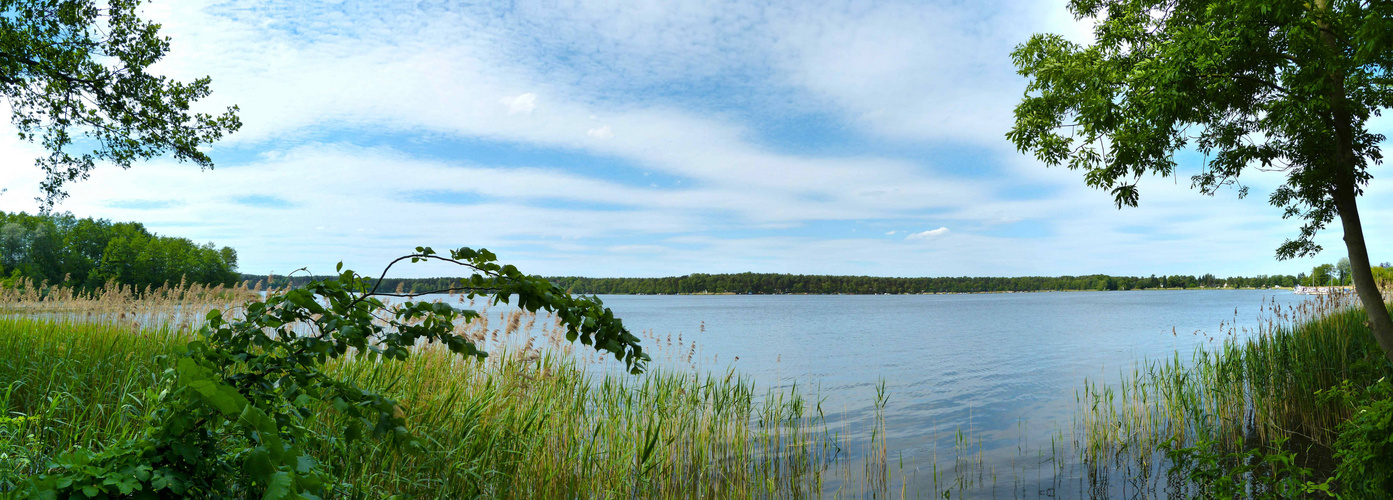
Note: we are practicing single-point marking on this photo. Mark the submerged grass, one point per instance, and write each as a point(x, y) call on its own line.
point(537, 419)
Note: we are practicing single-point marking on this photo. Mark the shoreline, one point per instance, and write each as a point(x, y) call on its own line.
point(1286, 289)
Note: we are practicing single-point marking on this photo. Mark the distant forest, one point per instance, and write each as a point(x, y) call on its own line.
point(764, 283)
point(88, 253)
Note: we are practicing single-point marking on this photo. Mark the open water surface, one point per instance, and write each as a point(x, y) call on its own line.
point(1002, 369)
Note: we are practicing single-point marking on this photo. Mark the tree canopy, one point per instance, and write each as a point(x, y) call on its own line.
point(1268, 85)
point(88, 253)
point(771, 284)
point(75, 75)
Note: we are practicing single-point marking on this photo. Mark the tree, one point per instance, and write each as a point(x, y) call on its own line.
point(1267, 85)
point(74, 73)
point(1322, 275)
point(1342, 270)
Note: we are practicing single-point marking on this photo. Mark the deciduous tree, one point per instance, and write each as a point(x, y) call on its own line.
point(74, 73)
point(1270, 85)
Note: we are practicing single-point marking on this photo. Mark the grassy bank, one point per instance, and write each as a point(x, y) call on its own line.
point(1256, 411)
point(535, 420)
point(540, 418)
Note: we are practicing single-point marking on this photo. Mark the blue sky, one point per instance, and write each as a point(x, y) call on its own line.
point(654, 139)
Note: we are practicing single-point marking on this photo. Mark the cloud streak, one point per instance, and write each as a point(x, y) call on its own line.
point(625, 139)
point(927, 235)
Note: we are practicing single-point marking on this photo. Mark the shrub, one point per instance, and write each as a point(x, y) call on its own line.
point(1365, 446)
point(235, 417)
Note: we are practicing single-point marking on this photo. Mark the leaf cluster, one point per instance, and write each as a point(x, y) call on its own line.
point(75, 73)
point(1365, 446)
point(1272, 85)
point(1268, 472)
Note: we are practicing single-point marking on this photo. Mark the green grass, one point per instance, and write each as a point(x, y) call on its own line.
point(549, 422)
point(65, 384)
point(1245, 392)
point(525, 423)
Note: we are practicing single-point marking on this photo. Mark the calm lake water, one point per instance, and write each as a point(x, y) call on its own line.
point(1001, 368)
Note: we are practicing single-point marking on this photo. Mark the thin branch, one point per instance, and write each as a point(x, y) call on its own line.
point(91, 84)
point(442, 290)
point(1249, 78)
point(383, 276)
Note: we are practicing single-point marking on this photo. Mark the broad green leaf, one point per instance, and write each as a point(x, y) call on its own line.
point(258, 465)
point(280, 486)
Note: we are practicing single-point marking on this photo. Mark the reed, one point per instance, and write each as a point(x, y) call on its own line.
point(1247, 390)
point(180, 305)
point(536, 419)
point(65, 384)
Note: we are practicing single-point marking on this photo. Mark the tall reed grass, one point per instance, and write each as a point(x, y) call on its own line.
point(180, 305)
point(1250, 389)
point(536, 419)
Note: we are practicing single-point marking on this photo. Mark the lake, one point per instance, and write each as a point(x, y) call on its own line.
point(1002, 369)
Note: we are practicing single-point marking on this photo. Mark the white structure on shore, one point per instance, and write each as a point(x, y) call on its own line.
point(1320, 290)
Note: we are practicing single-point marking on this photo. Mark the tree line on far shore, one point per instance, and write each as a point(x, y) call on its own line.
point(762, 283)
point(767, 283)
point(88, 253)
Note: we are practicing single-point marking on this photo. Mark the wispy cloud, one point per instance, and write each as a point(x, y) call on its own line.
point(523, 104)
point(262, 201)
point(143, 204)
point(601, 132)
point(614, 138)
point(924, 235)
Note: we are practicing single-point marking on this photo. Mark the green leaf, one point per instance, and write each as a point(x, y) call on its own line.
point(266, 429)
point(258, 465)
point(280, 486)
point(304, 464)
point(221, 397)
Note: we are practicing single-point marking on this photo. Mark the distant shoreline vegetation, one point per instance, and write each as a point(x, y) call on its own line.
point(797, 284)
point(87, 254)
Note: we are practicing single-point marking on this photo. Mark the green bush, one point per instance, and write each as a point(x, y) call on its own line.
point(1365, 447)
point(235, 418)
point(1206, 470)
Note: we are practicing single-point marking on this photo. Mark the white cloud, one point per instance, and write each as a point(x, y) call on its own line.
point(914, 74)
point(602, 132)
point(523, 104)
point(910, 70)
point(932, 233)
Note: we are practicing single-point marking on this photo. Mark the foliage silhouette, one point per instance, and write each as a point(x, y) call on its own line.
point(75, 75)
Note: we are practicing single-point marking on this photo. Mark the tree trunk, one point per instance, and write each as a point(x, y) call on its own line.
point(1380, 323)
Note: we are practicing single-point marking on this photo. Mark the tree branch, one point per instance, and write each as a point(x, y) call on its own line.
point(432, 292)
point(91, 84)
point(1249, 78)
